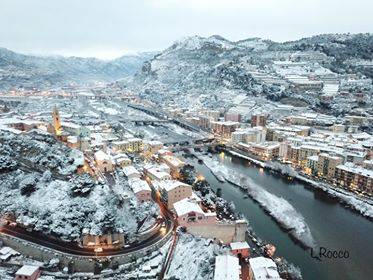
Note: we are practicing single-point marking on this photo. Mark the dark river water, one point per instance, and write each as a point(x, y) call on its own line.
point(332, 226)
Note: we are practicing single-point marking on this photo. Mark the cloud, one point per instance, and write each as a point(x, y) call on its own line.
point(112, 26)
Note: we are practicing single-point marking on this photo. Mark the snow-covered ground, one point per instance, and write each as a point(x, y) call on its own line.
point(39, 187)
point(5, 273)
point(194, 258)
point(279, 208)
point(183, 131)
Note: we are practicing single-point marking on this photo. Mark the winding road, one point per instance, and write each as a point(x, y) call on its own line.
point(75, 249)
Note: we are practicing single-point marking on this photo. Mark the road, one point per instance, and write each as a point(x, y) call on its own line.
point(75, 249)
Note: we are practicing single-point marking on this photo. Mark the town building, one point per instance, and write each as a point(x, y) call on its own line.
point(213, 114)
point(122, 160)
point(131, 172)
point(249, 135)
point(356, 120)
point(174, 163)
point(263, 268)
point(368, 164)
point(56, 121)
point(232, 117)
point(73, 142)
point(274, 131)
point(6, 253)
point(141, 189)
point(28, 272)
point(327, 164)
point(338, 128)
point(284, 151)
point(157, 172)
point(203, 121)
point(224, 129)
point(172, 191)
point(130, 145)
point(240, 249)
point(265, 151)
point(355, 178)
point(104, 161)
point(75, 129)
point(189, 212)
point(258, 120)
point(152, 146)
point(107, 241)
point(312, 165)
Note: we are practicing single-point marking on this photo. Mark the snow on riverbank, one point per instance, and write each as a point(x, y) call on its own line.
point(361, 205)
point(262, 164)
point(277, 207)
point(216, 168)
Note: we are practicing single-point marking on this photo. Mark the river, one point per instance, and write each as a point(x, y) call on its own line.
point(332, 226)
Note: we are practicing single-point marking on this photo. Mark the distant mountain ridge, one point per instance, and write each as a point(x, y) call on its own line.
point(213, 64)
point(192, 64)
point(19, 70)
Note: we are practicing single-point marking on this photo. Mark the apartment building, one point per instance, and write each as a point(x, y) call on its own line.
point(327, 164)
point(355, 177)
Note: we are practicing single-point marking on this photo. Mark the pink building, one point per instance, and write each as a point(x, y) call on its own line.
point(190, 213)
point(141, 189)
point(232, 117)
point(240, 249)
point(28, 272)
point(173, 191)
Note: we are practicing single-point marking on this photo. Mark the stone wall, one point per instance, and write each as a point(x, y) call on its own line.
point(227, 232)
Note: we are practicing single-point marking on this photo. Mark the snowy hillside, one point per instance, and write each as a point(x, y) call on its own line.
point(40, 189)
point(18, 70)
point(210, 71)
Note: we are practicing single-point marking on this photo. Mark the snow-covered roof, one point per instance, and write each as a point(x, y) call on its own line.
point(72, 139)
point(174, 161)
point(350, 167)
point(169, 185)
point(227, 268)
point(130, 170)
point(121, 156)
point(138, 185)
point(7, 250)
point(264, 268)
point(134, 139)
point(225, 123)
point(154, 143)
point(239, 245)
point(27, 270)
point(101, 155)
point(9, 129)
point(185, 206)
point(70, 124)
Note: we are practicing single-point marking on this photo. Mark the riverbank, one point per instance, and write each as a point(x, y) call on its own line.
point(332, 225)
point(277, 207)
point(257, 244)
point(349, 200)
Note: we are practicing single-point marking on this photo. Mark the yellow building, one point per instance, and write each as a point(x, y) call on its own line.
point(56, 121)
point(327, 164)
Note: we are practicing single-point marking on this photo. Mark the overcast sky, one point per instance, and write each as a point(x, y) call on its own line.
point(110, 28)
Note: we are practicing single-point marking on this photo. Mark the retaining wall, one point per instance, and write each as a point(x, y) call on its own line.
point(81, 263)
